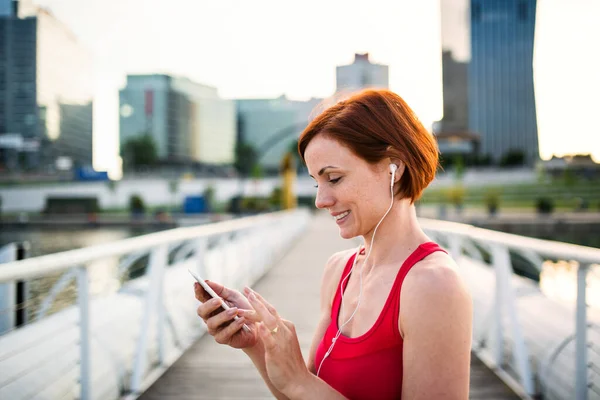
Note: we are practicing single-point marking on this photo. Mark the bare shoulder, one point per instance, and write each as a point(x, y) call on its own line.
point(333, 272)
point(434, 285)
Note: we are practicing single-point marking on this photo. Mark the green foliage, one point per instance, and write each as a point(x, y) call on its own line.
point(246, 158)
point(544, 205)
point(136, 204)
point(257, 171)
point(276, 198)
point(491, 198)
point(459, 167)
point(569, 177)
point(255, 204)
point(209, 197)
point(512, 158)
point(139, 151)
point(456, 195)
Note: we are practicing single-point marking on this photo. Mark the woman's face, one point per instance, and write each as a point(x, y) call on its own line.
point(356, 193)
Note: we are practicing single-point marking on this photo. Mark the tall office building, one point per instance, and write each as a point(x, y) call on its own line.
point(501, 97)
point(271, 126)
point(45, 92)
point(188, 122)
point(361, 74)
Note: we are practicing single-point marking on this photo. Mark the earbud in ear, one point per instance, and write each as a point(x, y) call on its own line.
point(393, 168)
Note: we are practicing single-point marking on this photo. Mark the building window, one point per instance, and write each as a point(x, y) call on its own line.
point(29, 119)
point(475, 12)
point(522, 11)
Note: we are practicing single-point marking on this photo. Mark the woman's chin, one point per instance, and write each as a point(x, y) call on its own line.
point(346, 234)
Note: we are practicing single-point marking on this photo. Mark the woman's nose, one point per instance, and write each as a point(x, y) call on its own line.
point(324, 200)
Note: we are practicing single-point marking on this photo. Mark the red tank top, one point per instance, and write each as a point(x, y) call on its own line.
point(369, 366)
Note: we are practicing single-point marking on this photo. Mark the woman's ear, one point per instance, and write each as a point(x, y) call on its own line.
point(400, 170)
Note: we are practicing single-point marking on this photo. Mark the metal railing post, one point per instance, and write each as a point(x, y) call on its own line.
point(84, 329)
point(498, 302)
point(503, 266)
point(8, 253)
point(581, 357)
point(157, 263)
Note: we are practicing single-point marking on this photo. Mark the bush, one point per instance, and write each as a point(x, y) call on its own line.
point(136, 205)
point(492, 200)
point(456, 195)
point(276, 198)
point(544, 205)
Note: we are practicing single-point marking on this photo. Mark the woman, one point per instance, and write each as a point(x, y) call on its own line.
point(395, 317)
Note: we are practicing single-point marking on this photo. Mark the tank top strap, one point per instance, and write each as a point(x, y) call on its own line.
point(419, 254)
point(337, 297)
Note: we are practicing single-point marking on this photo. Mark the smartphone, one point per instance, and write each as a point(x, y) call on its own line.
point(212, 293)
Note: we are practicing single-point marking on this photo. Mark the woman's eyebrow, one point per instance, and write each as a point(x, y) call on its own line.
point(322, 171)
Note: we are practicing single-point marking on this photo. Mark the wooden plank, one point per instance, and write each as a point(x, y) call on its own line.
point(212, 371)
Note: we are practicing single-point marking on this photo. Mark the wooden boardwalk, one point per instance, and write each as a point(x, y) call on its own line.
point(212, 371)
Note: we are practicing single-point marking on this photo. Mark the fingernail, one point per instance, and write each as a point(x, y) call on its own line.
point(196, 285)
point(251, 296)
point(247, 289)
point(232, 311)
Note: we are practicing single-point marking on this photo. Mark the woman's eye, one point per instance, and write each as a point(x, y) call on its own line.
point(333, 181)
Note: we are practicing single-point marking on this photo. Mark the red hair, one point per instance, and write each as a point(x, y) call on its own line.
point(377, 124)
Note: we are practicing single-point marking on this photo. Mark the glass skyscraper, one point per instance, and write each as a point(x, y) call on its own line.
point(501, 96)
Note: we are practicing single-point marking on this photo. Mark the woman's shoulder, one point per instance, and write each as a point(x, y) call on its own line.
point(434, 282)
point(333, 271)
point(336, 263)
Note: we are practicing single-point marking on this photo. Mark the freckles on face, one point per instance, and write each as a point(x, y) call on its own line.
point(359, 190)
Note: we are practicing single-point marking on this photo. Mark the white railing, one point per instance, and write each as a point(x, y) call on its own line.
point(542, 347)
point(107, 346)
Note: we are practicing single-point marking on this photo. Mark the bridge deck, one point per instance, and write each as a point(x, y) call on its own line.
point(211, 371)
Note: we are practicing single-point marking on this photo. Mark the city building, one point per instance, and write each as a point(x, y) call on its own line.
point(188, 122)
point(45, 92)
point(361, 74)
point(455, 89)
point(271, 126)
point(500, 77)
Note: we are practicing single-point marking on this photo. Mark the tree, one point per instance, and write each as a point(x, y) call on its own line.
point(245, 158)
point(140, 151)
point(512, 158)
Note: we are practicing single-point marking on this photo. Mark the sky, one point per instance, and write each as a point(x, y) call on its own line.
point(266, 48)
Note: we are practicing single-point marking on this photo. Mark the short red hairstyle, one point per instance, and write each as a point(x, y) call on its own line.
point(376, 124)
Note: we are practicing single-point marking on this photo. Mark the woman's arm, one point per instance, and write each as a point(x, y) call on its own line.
point(257, 355)
point(331, 276)
point(278, 355)
point(436, 321)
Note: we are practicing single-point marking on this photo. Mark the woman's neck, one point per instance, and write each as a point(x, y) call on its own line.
point(398, 235)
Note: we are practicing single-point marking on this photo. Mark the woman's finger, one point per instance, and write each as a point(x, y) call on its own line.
point(267, 337)
point(267, 305)
point(207, 308)
point(262, 311)
point(250, 315)
point(225, 334)
point(219, 319)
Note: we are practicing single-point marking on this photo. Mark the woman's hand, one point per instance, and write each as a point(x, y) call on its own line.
point(220, 323)
point(284, 362)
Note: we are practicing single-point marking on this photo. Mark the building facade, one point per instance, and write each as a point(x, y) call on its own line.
point(501, 95)
point(188, 122)
point(45, 93)
point(361, 74)
point(271, 126)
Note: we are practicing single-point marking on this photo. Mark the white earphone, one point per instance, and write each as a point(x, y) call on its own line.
point(393, 169)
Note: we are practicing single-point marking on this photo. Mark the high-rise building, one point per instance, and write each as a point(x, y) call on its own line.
point(271, 126)
point(188, 122)
point(361, 74)
point(45, 92)
point(454, 80)
point(501, 97)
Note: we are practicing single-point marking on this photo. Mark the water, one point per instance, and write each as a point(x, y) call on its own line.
point(103, 273)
